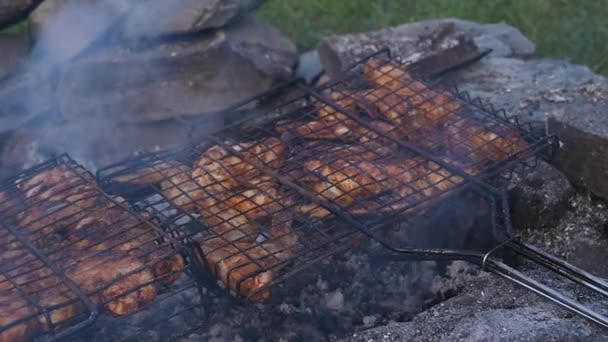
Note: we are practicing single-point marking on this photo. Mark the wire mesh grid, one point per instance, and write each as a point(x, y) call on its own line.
point(368, 150)
point(114, 260)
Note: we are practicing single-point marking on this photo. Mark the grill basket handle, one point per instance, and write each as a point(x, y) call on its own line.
point(556, 265)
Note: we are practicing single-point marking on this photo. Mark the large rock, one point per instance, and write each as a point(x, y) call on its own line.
point(13, 11)
point(202, 74)
point(160, 17)
point(14, 49)
point(583, 133)
point(62, 29)
point(541, 198)
point(554, 97)
point(532, 90)
point(417, 40)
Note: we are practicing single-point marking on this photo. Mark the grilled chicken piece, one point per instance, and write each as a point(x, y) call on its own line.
point(60, 184)
point(15, 309)
point(479, 143)
point(114, 229)
point(175, 180)
point(345, 180)
point(354, 183)
point(233, 214)
point(218, 170)
point(408, 103)
point(390, 75)
point(121, 283)
point(331, 122)
point(249, 267)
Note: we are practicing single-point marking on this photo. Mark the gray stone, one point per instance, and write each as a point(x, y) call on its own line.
point(541, 198)
point(62, 29)
point(532, 90)
point(417, 40)
point(178, 78)
point(160, 17)
point(583, 152)
point(335, 300)
point(13, 11)
point(14, 49)
point(94, 143)
point(309, 66)
point(369, 321)
point(490, 309)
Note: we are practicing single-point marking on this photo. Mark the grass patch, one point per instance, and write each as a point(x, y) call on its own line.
point(568, 29)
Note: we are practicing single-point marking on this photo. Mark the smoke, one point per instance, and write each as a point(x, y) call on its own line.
point(114, 90)
point(67, 33)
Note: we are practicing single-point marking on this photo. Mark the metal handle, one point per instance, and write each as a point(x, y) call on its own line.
point(558, 266)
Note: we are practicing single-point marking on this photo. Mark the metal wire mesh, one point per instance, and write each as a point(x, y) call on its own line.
point(89, 248)
point(281, 189)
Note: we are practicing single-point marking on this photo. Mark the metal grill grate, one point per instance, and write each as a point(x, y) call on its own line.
point(83, 240)
point(276, 192)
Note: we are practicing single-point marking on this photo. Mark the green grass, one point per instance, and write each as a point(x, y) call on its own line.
point(568, 29)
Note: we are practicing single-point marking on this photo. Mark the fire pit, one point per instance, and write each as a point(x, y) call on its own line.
point(379, 153)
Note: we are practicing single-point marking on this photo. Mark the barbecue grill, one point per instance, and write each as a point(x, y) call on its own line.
point(322, 132)
point(276, 192)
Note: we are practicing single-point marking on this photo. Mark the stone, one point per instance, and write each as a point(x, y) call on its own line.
point(161, 18)
point(369, 321)
point(541, 198)
point(93, 143)
point(335, 300)
point(174, 78)
point(14, 49)
point(62, 29)
point(490, 309)
point(417, 40)
point(533, 90)
point(583, 152)
point(14, 11)
point(309, 66)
